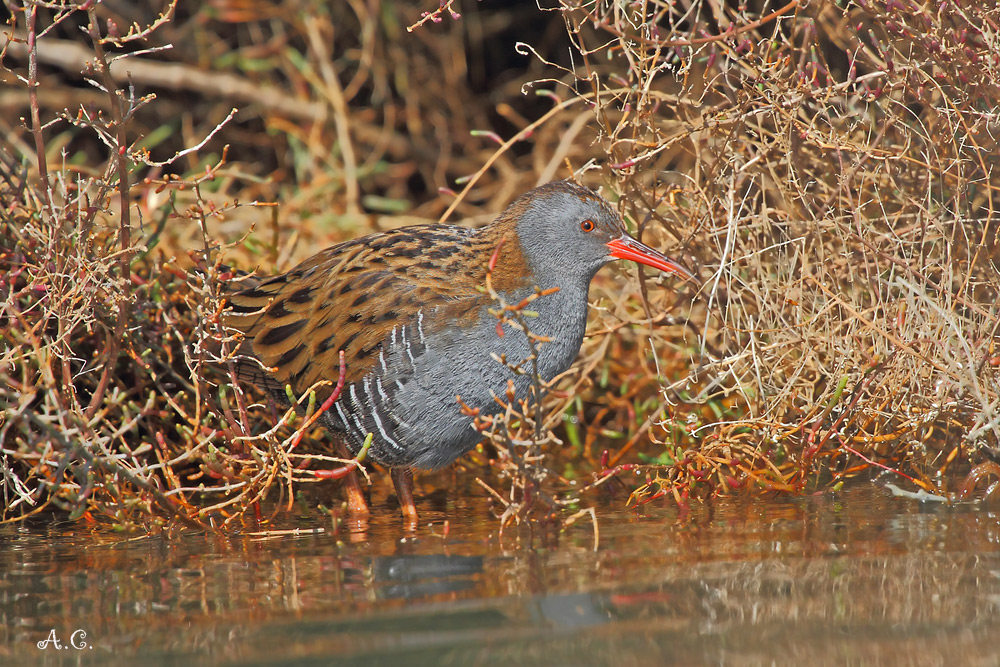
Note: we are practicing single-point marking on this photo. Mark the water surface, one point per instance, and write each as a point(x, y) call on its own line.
point(853, 577)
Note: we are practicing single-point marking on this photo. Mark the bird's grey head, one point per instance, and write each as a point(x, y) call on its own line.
point(568, 232)
point(565, 229)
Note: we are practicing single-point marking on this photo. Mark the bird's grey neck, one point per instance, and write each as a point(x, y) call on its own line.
point(560, 317)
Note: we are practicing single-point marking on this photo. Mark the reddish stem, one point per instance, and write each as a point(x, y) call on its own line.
point(337, 473)
point(495, 256)
point(327, 404)
point(876, 463)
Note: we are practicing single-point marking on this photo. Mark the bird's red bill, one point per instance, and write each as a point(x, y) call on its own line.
point(628, 248)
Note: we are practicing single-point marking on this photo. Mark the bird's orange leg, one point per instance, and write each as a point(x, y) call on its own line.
point(402, 479)
point(356, 503)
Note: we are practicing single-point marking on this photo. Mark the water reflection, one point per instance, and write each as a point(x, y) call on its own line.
point(420, 576)
point(857, 576)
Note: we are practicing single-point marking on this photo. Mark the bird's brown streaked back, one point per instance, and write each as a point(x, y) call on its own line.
point(352, 295)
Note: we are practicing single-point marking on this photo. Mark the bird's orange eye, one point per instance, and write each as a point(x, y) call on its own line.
point(587, 225)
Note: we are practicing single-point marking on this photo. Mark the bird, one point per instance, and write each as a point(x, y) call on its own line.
point(408, 309)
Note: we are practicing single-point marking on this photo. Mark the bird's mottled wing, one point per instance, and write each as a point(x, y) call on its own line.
point(350, 297)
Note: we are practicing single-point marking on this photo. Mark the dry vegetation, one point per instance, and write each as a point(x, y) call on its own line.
point(826, 167)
